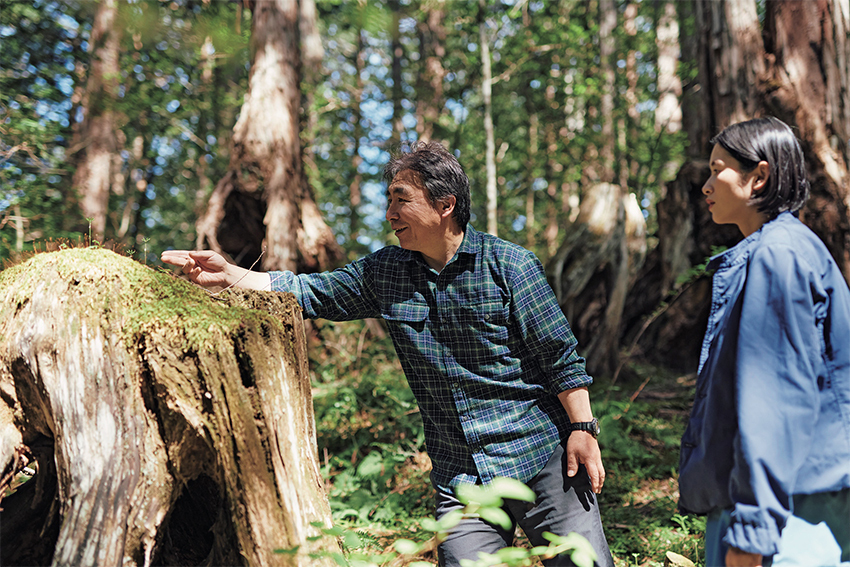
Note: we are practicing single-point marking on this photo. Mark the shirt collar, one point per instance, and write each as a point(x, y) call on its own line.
point(470, 245)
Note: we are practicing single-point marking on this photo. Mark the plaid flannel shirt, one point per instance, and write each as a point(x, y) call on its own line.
point(484, 345)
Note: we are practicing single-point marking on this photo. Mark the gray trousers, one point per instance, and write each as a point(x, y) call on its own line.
point(564, 505)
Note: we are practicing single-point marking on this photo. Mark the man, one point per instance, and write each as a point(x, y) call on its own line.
point(485, 347)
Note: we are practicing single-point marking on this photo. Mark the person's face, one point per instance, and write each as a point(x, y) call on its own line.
point(729, 189)
point(411, 215)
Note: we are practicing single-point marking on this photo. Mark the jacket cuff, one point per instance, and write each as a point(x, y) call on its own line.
point(753, 530)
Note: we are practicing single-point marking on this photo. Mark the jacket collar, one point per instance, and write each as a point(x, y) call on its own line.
point(740, 252)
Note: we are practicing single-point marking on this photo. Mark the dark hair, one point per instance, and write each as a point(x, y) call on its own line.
point(769, 139)
point(441, 173)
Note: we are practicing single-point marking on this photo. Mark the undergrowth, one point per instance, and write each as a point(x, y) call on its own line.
point(377, 473)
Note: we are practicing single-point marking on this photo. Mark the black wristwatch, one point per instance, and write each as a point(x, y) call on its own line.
point(591, 427)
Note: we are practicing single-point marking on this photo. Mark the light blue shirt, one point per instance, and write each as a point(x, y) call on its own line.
point(771, 416)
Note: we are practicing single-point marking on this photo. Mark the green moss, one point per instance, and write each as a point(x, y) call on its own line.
point(143, 298)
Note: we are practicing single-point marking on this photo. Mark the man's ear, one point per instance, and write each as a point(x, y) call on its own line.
point(446, 206)
point(760, 175)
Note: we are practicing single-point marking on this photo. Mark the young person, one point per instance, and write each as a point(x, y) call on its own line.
point(484, 345)
point(766, 453)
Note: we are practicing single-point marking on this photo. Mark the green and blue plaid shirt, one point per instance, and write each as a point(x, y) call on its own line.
point(484, 344)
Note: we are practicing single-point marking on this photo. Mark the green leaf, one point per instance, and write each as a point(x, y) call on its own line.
point(335, 531)
point(352, 541)
point(473, 494)
point(372, 465)
point(406, 546)
point(513, 555)
point(576, 545)
point(512, 488)
point(449, 521)
point(288, 551)
point(496, 516)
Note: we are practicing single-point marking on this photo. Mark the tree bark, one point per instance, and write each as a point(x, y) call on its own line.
point(432, 50)
point(263, 206)
point(355, 188)
point(167, 426)
point(95, 142)
point(593, 268)
point(397, 50)
point(607, 23)
point(806, 83)
point(668, 115)
point(489, 136)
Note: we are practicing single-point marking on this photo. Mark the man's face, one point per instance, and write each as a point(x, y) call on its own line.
point(414, 220)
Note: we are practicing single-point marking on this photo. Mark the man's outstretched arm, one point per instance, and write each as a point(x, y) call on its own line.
point(208, 269)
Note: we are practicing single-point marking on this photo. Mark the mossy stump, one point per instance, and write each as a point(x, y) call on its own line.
point(166, 425)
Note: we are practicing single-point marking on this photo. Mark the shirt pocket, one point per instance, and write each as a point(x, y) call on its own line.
point(411, 313)
point(485, 322)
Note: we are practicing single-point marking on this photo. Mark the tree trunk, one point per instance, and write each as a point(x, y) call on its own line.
point(593, 268)
point(489, 139)
point(264, 206)
point(668, 115)
point(167, 426)
point(355, 188)
point(96, 143)
point(397, 50)
point(607, 23)
point(806, 83)
point(432, 50)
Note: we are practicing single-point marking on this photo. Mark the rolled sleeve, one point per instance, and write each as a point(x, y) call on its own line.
point(545, 332)
point(778, 353)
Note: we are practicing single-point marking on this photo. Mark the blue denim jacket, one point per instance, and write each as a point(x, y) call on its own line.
point(771, 417)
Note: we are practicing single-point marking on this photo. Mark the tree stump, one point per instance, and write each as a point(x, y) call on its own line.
point(167, 425)
point(592, 269)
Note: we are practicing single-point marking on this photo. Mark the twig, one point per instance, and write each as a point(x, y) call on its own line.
point(634, 396)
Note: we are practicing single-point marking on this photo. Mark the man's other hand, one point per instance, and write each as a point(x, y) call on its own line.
point(582, 448)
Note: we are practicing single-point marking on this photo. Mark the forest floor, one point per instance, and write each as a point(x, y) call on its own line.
point(371, 448)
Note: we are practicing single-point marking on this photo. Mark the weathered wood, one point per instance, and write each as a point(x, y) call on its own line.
point(593, 267)
point(179, 424)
